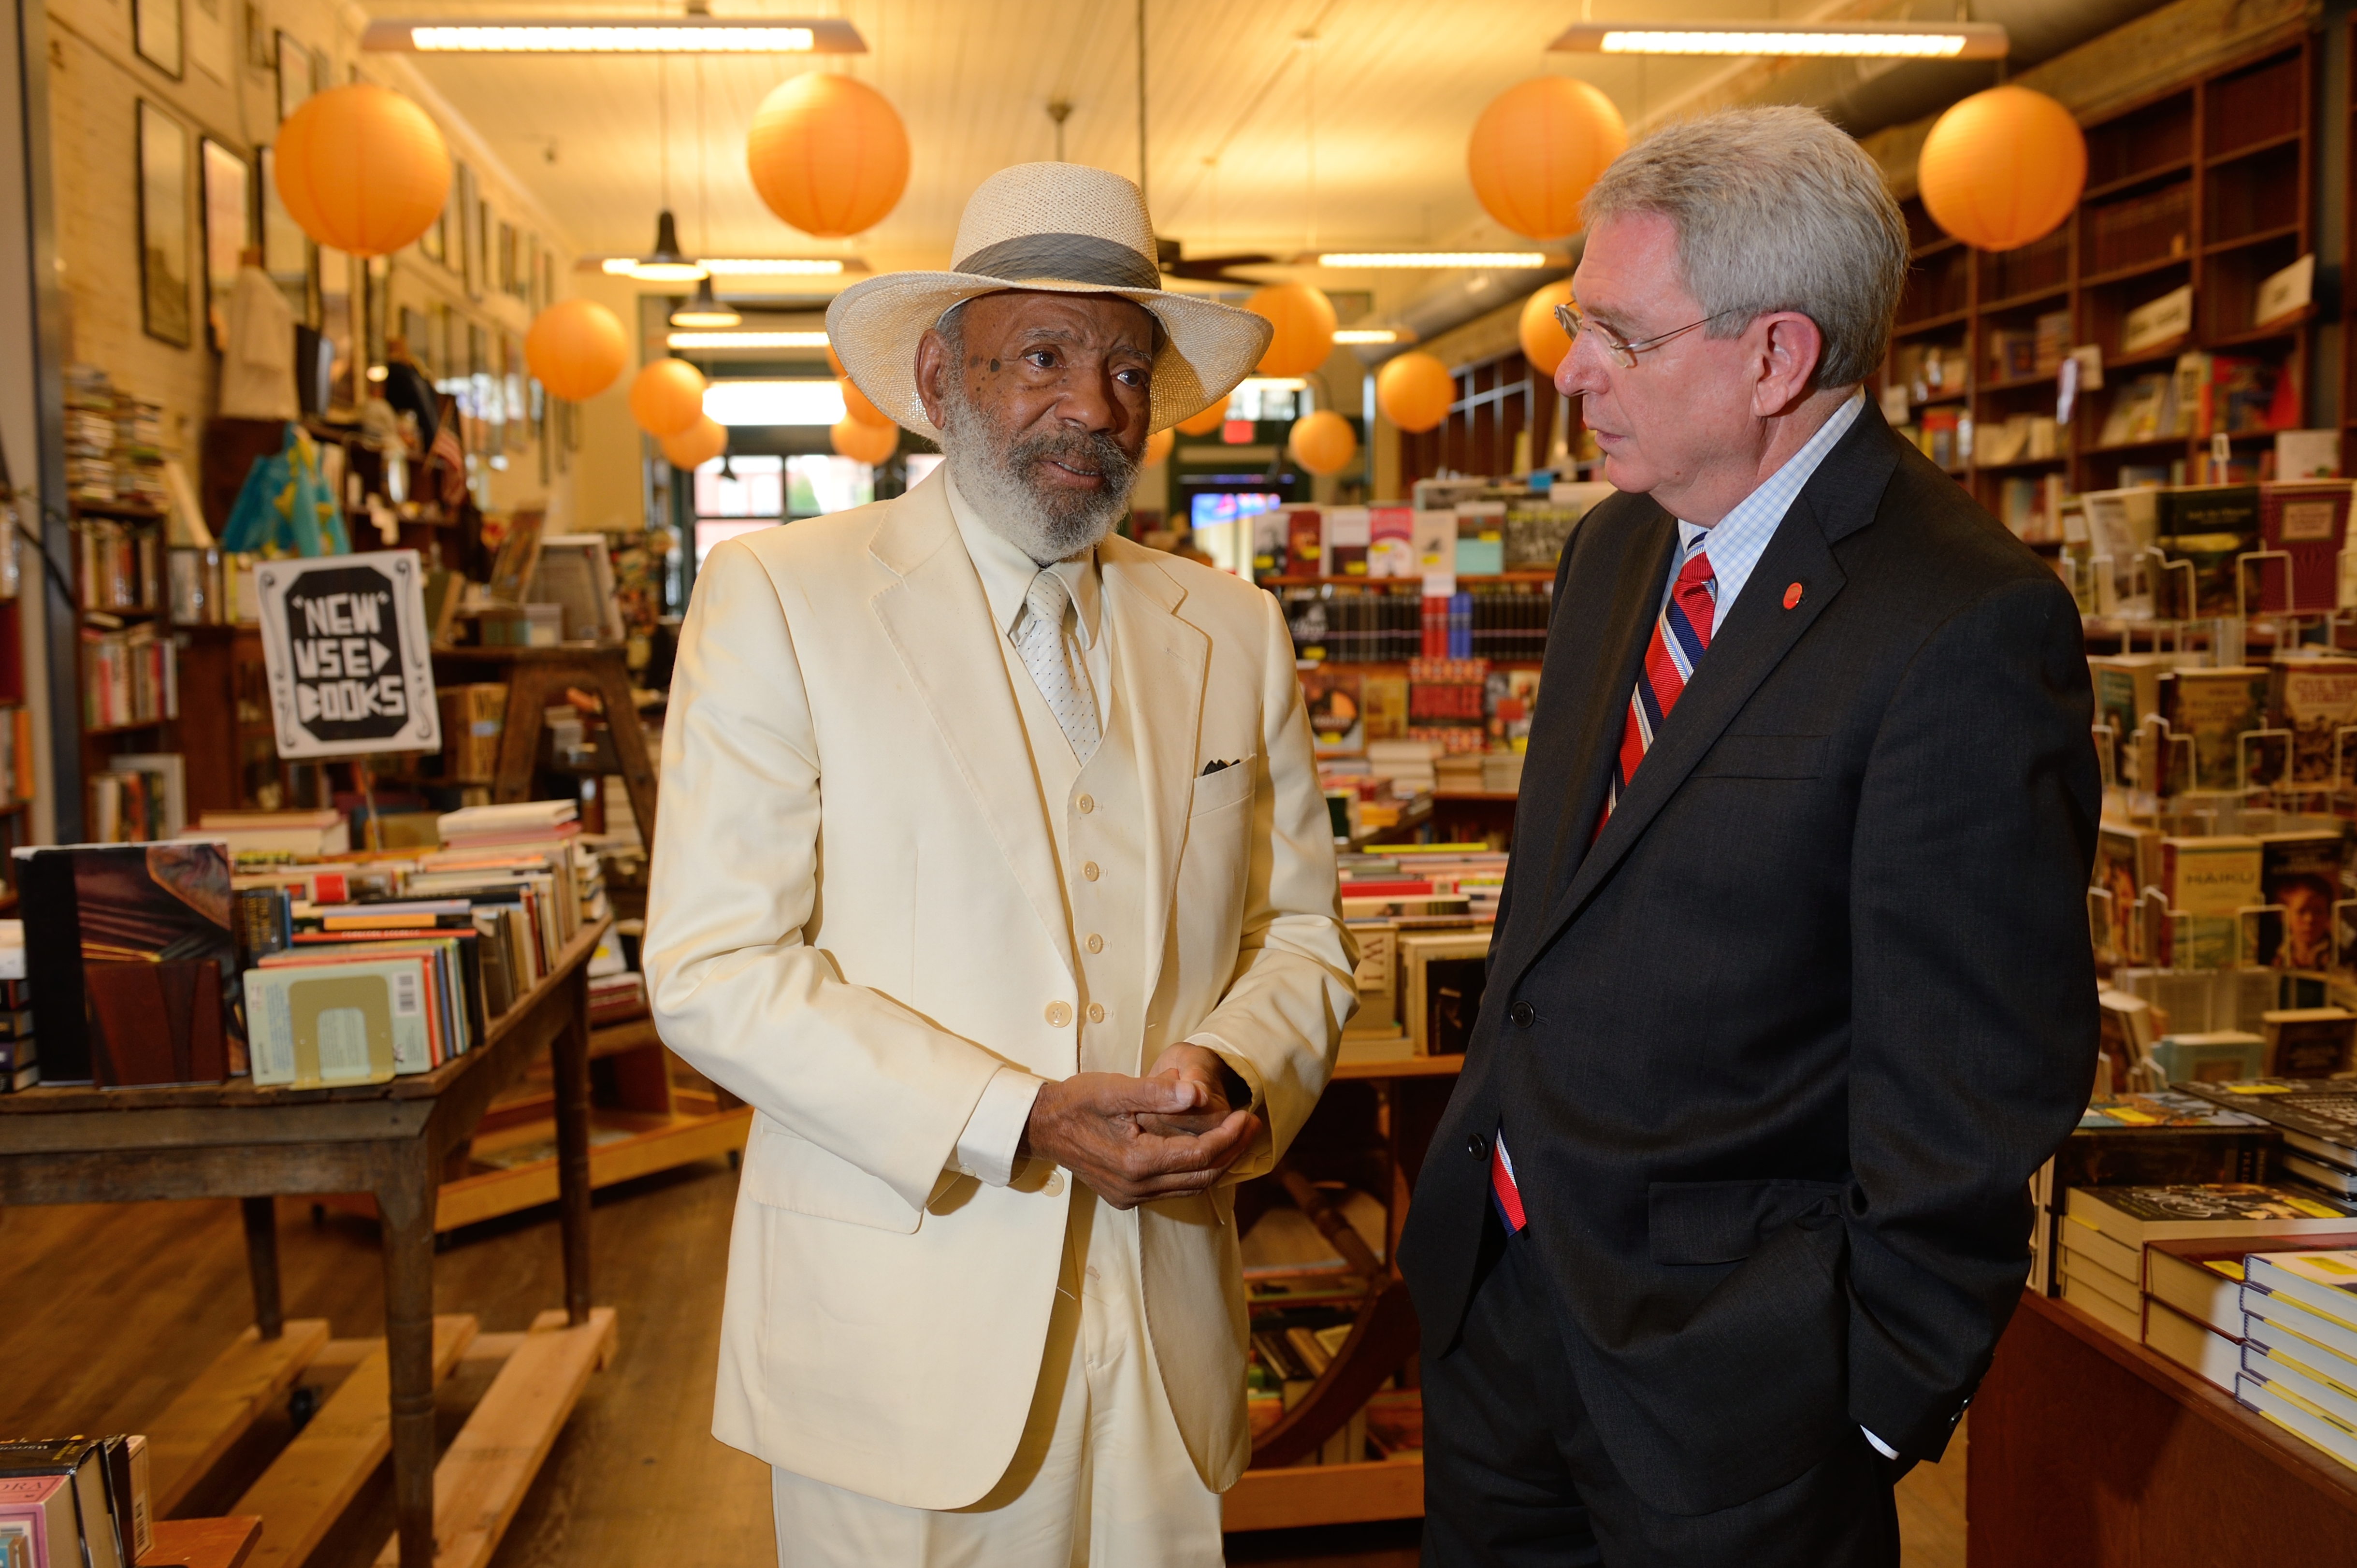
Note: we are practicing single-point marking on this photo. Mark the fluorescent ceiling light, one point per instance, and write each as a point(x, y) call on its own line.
point(1271, 384)
point(599, 36)
point(774, 266)
point(1849, 40)
point(1435, 259)
point(749, 340)
point(1374, 335)
point(774, 403)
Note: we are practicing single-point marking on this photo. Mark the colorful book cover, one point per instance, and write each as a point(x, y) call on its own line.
point(2300, 879)
point(1336, 718)
point(2215, 708)
point(2316, 699)
point(2309, 522)
point(2126, 863)
point(98, 903)
point(1391, 541)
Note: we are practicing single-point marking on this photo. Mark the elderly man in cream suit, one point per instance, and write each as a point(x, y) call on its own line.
point(994, 874)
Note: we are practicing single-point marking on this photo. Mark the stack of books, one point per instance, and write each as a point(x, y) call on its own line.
point(2316, 1116)
point(74, 1502)
point(266, 836)
point(2105, 1233)
point(2299, 1348)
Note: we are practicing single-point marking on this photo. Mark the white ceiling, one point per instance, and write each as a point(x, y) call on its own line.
point(1397, 86)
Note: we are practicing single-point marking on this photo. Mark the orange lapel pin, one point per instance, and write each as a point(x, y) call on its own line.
point(1792, 594)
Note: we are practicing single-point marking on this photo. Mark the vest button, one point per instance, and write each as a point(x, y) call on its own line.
point(1096, 1013)
point(1523, 1015)
point(1478, 1147)
point(1086, 804)
point(1089, 870)
point(1058, 1015)
point(1096, 943)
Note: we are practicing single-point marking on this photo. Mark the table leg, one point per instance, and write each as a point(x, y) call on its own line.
point(569, 1056)
point(261, 1263)
point(630, 745)
point(406, 1217)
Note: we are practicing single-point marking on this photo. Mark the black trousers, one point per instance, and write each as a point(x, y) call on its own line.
point(1515, 1475)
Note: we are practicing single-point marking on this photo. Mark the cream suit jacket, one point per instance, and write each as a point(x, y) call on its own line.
point(855, 919)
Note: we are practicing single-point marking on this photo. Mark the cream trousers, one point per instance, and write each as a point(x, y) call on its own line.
point(1101, 1476)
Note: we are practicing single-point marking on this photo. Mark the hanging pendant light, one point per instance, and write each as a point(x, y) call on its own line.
point(706, 309)
point(665, 263)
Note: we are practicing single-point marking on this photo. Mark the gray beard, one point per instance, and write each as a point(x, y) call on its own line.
point(993, 475)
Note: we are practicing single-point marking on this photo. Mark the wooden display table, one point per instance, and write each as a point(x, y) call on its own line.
point(1279, 1492)
point(202, 1542)
point(132, 1145)
point(2088, 1451)
point(537, 679)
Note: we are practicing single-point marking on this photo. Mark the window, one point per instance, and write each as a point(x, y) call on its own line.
point(759, 492)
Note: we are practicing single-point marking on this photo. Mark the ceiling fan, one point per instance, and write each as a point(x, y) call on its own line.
point(1208, 269)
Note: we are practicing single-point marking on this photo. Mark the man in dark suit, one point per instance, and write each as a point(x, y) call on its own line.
point(1791, 988)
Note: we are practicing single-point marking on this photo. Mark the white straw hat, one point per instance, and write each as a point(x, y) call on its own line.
point(1063, 228)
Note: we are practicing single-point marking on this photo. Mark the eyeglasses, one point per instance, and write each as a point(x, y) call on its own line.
point(1621, 349)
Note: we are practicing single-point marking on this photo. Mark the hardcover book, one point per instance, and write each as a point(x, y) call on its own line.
point(86, 905)
point(2137, 1215)
point(2308, 521)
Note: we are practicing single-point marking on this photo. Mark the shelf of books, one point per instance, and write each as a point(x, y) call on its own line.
point(2159, 337)
point(133, 781)
point(1418, 629)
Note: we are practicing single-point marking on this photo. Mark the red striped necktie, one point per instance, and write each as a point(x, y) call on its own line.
point(1680, 636)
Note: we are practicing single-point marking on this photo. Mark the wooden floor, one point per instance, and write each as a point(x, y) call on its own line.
point(111, 1308)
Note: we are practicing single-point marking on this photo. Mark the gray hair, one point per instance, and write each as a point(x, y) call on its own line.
point(1776, 209)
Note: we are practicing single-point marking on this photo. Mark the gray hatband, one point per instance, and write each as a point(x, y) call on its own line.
point(1067, 258)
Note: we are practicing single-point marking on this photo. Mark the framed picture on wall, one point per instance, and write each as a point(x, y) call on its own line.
point(294, 74)
point(228, 207)
point(462, 232)
point(164, 201)
point(285, 249)
point(431, 245)
point(156, 33)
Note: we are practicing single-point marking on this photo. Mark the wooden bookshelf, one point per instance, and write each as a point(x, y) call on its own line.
point(2203, 185)
point(98, 611)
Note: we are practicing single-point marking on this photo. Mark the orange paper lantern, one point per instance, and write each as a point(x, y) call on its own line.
point(577, 347)
point(1209, 418)
point(1537, 148)
point(868, 444)
point(827, 154)
point(2002, 168)
point(1157, 448)
point(667, 398)
point(1322, 442)
point(1303, 319)
point(697, 444)
point(361, 168)
point(1413, 390)
point(1543, 342)
point(856, 406)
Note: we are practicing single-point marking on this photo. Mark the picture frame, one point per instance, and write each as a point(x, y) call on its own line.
point(159, 35)
point(287, 250)
point(1440, 975)
point(164, 199)
point(433, 244)
point(462, 185)
point(226, 200)
point(295, 73)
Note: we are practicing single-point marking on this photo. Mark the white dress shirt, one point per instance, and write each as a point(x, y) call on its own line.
point(1737, 541)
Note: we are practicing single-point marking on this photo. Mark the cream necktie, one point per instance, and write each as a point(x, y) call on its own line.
point(1052, 657)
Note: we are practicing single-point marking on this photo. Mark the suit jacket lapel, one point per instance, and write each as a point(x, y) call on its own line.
point(1627, 620)
point(937, 620)
point(1160, 665)
point(1839, 498)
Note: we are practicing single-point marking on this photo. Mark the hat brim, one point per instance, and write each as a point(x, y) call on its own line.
point(874, 327)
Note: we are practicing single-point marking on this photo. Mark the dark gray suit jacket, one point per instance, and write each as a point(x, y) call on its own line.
point(1777, 1054)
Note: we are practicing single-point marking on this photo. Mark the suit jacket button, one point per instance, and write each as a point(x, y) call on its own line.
point(1478, 1147)
point(1523, 1015)
point(1058, 1015)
